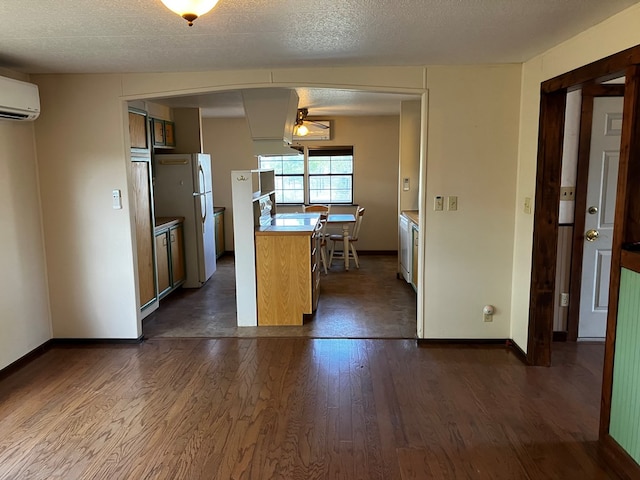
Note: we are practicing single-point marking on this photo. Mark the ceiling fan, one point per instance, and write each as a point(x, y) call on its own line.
point(300, 129)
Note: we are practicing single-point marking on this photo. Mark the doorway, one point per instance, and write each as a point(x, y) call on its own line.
point(550, 143)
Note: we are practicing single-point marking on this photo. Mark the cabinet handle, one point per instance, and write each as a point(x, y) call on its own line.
point(164, 241)
point(173, 238)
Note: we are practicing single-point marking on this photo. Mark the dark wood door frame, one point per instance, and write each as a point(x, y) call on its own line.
point(549, 167)
point(545, 229)
point(589, 93)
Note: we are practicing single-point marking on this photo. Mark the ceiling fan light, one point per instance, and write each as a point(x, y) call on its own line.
point(302, 130)
point(190, 9)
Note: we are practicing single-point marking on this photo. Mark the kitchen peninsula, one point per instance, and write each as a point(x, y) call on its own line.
point(288, 268)
point(276, 255)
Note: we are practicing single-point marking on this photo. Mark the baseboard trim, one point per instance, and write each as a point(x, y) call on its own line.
point(617, 459)
point(25, 359)
point(560, 336)
point(462, 341)
point(479, 342)
point(63, 342)
point(519, 352)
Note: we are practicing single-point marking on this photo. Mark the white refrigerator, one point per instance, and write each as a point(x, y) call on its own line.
point(183, 188)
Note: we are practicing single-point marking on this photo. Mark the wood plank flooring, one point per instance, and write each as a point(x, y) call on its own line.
point(300, 408)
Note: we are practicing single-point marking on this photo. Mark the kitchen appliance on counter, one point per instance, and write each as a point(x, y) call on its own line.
point(183, 188)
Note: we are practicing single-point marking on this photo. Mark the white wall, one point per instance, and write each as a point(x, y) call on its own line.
point(82, 158)
point(472, 153)
point(611, 36)
point(375, 143)
point(24, 303)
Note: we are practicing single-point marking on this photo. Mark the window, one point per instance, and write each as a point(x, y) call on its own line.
point(320, 175)
point(289, 171)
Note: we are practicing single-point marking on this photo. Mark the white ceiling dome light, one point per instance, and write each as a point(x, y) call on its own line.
point(190, 9)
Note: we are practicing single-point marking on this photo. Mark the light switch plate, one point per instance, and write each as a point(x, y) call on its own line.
point(452, 203)
point(117, 199)
point(438, 203)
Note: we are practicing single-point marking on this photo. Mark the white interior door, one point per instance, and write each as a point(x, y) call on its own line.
point(601, 204)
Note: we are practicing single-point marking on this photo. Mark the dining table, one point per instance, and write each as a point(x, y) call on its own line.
point(345, 220)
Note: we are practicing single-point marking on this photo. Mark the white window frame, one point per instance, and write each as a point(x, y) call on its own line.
point(306, 176)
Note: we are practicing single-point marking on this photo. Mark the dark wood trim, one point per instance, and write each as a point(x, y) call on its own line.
point(626, 226)
point(25, 359)
point(519, 352)
point(630, 260)
point(560, 336)
point(600, 90)
point(608, 68)
point(475, 342)
point(60, 342)
point(614, 454)
point(545, 227)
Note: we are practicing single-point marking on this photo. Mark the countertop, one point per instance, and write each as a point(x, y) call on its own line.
point(412, 215)
point(290, 224)
point(167, 222)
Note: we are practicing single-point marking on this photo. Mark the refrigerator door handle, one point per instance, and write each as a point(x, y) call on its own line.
point(203, 183)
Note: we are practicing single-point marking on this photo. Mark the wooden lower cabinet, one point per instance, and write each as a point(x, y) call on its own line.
point(287, 277)
point(170, 261)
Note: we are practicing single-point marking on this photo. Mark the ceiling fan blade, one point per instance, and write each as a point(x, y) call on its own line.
point(317, 124)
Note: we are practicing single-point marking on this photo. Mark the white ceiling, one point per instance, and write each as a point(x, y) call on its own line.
point(100, 36)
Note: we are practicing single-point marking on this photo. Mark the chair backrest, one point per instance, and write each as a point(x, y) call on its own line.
point(317, 208)
point(356, 228)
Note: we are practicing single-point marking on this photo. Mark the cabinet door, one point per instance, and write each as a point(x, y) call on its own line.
point(138, 130)
point(219, 234)
point(158, 132)
point(162, 262)
point(144, 235)
point(169, 134)
point(177, 255)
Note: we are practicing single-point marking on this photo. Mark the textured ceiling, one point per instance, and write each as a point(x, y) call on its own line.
point(100, 36)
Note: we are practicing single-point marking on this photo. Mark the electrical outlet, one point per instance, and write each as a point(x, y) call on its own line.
point(527, 205)
point(564, 299)
point(438, 203)
point(567, 193)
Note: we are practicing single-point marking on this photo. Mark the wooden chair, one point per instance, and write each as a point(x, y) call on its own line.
point(353, 238)
point(324, 213)
point(317, 208)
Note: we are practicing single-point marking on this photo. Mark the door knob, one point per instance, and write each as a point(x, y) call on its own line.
point(593, 210)
point(592, 235)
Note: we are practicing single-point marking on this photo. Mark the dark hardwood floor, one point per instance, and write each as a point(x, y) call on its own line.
point(369, 302)
point(300, 408)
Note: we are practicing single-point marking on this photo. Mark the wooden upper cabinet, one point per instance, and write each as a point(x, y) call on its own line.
point(138, 130)
point(163, 133)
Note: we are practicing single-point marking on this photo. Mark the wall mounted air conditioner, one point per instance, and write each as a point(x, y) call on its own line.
point(18, 100)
